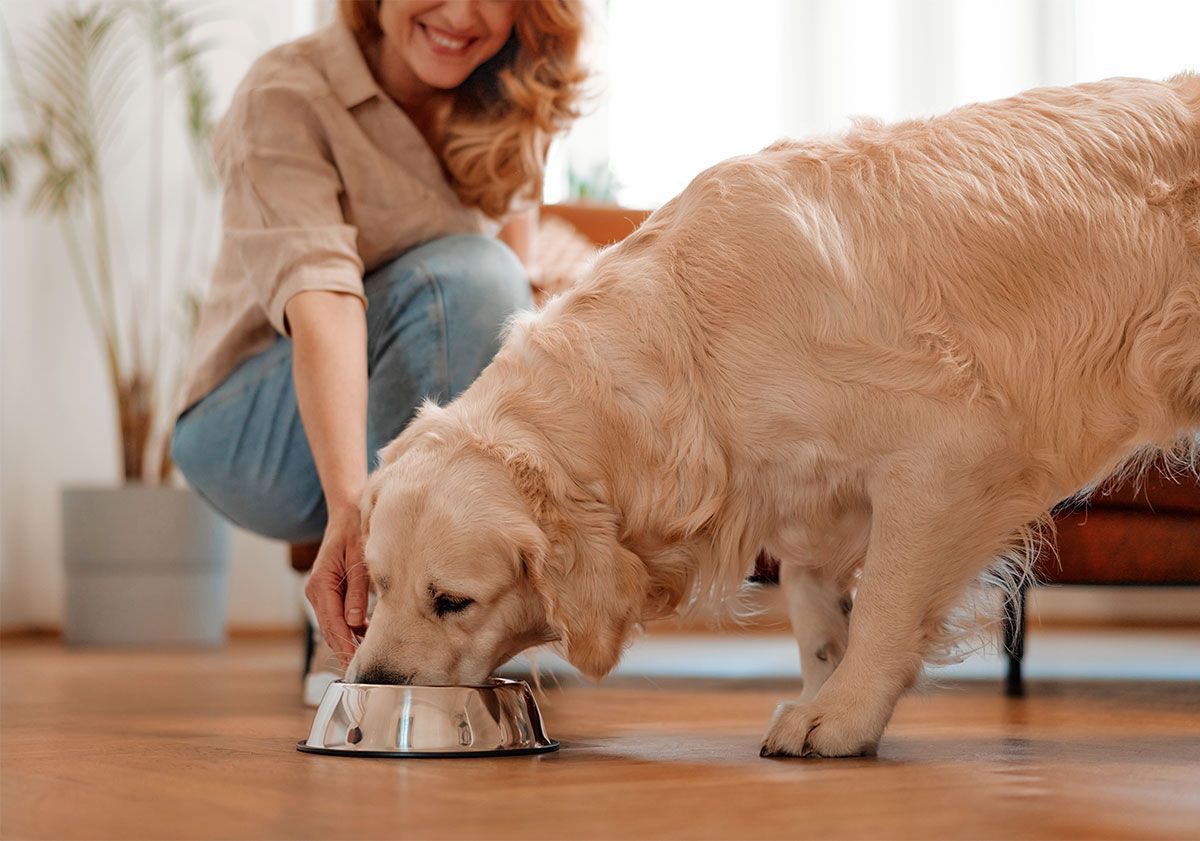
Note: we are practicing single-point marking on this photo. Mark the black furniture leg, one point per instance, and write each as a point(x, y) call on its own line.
point(1014, 643)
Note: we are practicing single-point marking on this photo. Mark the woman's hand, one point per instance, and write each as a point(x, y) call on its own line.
point(337, 586)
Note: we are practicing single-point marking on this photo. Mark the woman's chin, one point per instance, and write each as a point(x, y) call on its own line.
point(442, 78)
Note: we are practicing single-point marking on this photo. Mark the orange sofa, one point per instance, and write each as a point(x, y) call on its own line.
point(1139, 533)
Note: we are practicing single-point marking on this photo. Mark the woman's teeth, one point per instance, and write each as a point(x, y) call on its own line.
point(443, 41)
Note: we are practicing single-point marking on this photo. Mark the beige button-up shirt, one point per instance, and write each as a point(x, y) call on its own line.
point(325, 177)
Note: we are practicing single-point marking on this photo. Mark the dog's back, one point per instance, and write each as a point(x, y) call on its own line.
point(1039, 256)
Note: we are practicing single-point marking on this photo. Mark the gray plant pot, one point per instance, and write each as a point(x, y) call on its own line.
point(144, 566)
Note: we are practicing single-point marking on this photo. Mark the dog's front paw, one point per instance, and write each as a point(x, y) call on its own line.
point(806, 730)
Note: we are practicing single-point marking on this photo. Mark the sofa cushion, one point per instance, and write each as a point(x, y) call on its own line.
point(1156, 491)
point(1117, 546)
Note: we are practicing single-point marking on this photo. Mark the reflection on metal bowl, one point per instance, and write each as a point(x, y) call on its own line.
point(498, 718)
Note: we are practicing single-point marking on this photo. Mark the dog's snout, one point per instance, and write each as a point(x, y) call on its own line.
point(378, 673)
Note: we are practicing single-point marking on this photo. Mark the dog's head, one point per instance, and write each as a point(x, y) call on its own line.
point(479, 550)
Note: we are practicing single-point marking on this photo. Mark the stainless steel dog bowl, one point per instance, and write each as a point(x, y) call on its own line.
point(498, 718)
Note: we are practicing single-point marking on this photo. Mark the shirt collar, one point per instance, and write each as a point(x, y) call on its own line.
point(345, 66)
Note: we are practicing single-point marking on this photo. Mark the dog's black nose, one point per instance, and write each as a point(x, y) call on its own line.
point(377, 673)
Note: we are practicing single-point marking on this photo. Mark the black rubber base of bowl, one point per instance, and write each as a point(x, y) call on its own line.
point(384, 754)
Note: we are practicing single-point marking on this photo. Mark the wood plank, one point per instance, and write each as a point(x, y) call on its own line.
point(110, 744)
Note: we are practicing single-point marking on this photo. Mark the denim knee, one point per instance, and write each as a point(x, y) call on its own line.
point(465, 288)
point(474, 272)
point(481, 278)
point(190, 459)
point(484, 270)
point(239, 495)
point(481, 285)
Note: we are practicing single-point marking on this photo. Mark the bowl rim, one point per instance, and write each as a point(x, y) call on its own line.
point(551, 746)
point(492, 683)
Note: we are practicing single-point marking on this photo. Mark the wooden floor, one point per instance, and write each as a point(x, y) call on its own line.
point(201, 745)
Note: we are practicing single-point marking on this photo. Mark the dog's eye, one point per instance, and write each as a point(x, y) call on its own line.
point(443, 604)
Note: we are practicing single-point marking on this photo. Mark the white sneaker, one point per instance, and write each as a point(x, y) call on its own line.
point(319, 668)
point(315, 684)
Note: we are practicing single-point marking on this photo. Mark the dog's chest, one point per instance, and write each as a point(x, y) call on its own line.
point(821, 527)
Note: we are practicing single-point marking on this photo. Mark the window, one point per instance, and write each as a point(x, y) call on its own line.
point(687, 83)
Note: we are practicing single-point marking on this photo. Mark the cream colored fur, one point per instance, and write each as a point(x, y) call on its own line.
point(882, 357)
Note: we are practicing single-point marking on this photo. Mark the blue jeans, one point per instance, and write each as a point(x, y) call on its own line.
point(434, 319)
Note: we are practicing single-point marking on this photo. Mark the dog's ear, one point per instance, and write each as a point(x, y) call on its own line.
point(593, 600)
point(592, 587)
point(424, 426)
point(366, 507)
point(532, 481)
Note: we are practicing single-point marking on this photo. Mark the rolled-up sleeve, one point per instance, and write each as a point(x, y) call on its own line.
point(283, 225)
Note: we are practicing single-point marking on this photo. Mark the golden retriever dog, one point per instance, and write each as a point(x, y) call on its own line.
point(881, 357)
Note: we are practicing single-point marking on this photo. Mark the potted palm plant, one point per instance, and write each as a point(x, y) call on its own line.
point(145, 560)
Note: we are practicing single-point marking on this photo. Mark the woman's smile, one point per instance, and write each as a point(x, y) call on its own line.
point(445, 43)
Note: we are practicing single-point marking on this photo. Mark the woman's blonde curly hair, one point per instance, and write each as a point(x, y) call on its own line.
point(493, 140)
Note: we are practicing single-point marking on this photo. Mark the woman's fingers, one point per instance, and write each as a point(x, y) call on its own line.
point(337, 587)
point(325, 593)
point(356, 589)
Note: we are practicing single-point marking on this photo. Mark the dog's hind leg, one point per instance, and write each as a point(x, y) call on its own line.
point(938, 519)
point(820, 614)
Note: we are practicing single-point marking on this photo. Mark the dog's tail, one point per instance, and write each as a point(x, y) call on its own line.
point(1187, 87)
point(1179, 358)
point(1183, 197)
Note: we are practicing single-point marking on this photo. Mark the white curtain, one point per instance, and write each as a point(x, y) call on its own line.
point(685, 83)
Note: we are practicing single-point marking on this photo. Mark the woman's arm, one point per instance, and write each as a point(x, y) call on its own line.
point(520, 234)
point(329, 366)
point(285, 232)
